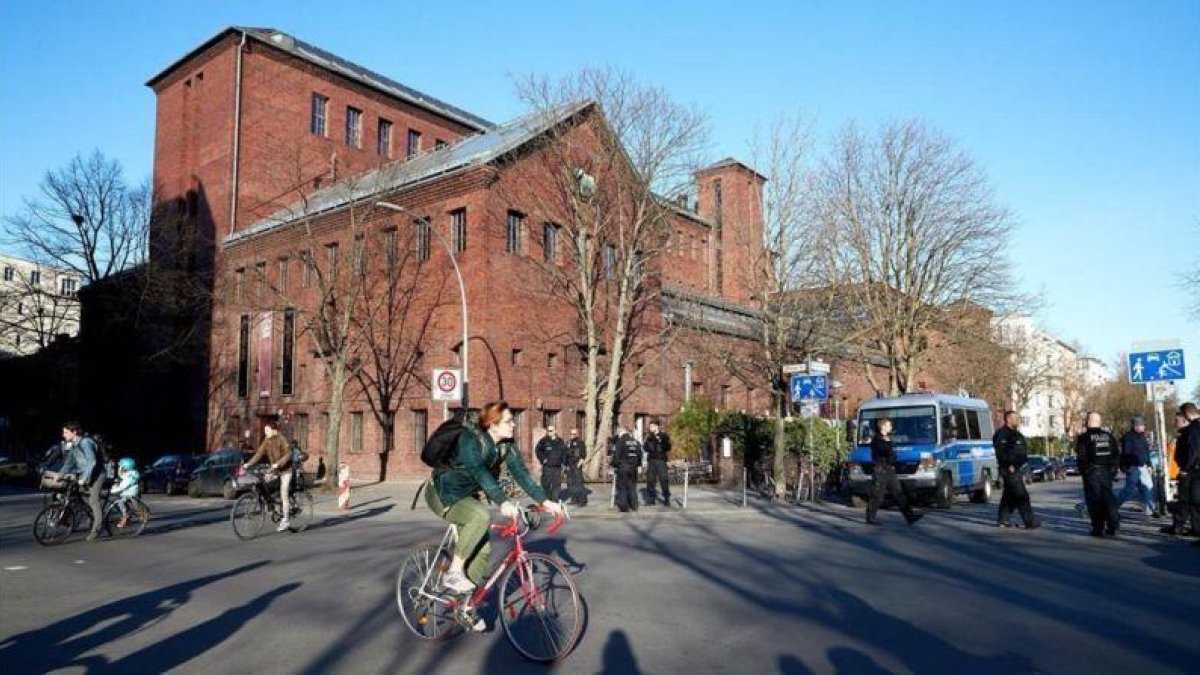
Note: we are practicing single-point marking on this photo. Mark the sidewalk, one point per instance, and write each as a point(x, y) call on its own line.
point(701, 499)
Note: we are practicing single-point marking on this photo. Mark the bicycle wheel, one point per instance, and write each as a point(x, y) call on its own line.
point(135, 519)
point(302, 511)
point(425, 611)
point(83, 516)
point(540, 608)
point(248, 516)
point(53, 524)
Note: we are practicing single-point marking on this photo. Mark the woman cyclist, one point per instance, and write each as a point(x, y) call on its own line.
point(453, 492)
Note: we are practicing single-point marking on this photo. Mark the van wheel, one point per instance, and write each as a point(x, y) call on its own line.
point(984, 494)
point(227, 491)
point(943, 494)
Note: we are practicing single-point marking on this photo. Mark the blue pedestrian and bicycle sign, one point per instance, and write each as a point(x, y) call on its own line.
point(809, 387)
point(1157, 366)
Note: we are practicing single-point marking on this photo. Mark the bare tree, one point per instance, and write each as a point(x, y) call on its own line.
point(614, 156)
point(912, 229)
point(87, 219)
point(1190, 285)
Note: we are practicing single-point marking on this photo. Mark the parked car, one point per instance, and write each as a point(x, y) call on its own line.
point(1040, 468)
point(1072, 466)
point(13, 470)
point(213, 476)
point(170, 474)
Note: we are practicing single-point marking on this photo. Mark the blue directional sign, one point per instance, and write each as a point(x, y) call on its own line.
point(1157, 366)
point(810, 387)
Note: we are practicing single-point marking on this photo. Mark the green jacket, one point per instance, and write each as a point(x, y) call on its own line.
point(474, 468)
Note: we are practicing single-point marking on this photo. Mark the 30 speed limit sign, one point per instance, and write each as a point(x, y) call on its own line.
point(447, 384)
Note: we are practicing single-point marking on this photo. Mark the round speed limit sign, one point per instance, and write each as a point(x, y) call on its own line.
point(447, 385)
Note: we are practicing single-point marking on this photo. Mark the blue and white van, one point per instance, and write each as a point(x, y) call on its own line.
point(943, 447)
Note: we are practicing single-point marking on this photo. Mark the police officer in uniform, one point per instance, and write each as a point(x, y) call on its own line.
point(576, 453)
point(551, 451)
point(1099, 455)
point(627, 457)
point(658, 446)
point(1187, 457)
point(1011, 455)
point(883, 458)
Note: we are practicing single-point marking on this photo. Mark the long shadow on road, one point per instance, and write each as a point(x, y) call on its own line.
point(61, 644)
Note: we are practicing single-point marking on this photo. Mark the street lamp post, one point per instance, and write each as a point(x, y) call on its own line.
point(462, 292)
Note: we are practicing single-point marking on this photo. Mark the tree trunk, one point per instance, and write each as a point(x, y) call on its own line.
point(389, 437)
point(780, 469)
point(338, 378)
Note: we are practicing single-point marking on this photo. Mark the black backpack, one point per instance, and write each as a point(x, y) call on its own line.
point(441, 446)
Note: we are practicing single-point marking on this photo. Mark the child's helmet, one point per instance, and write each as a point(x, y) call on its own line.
point(127, 463)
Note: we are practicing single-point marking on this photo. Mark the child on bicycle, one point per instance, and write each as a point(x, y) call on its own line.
point(128, 486)
point(474, 468)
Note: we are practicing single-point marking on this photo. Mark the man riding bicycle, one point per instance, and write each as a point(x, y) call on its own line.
point(82, 462)
point(276, 449)
point(453, 492)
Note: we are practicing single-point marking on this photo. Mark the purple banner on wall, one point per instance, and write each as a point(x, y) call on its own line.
point(265, 360)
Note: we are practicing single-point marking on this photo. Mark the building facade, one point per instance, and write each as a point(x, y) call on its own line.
point(38, 305)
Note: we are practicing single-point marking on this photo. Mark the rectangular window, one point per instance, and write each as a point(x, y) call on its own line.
point(439, 144)
point(458, 227)
point(518, 423)
point(35, 277)
point(356, 432)
point(239, 283)
point(383, 142)
point(580, 421)
point(610, 260)
point(243, 372)
point(353, 127)
point(552, 360)
point(283, 275)
point(550, 241)
point(420, 425)
point(414, 142)
point(360, 255)
point(550, 419)
point(260, 281)
point(68, 286)
point(301, 431)
point(423, 235)
point(8, 274)
point(319, 106)
point(288, 376)
point(516, 225)
point(516, 357)
point(389, 248)
point(306, 263)
point(331, 258)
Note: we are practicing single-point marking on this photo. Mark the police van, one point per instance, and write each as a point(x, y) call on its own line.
point(943, 447)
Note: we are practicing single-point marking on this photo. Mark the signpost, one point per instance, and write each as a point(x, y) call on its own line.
point(809, 385)
point(1153, 364)
point(447, 384)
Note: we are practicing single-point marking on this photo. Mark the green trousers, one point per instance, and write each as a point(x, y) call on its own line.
point(473, 521)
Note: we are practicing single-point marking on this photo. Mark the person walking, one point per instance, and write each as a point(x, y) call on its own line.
point(627, 457)
point(576, 453)
point(1097, 451)
point(883, 458)
point(1187, 455)
point(658, 447)
point(1011, 454)
point(551, 451)
point(1135, 461)
point(82, 460)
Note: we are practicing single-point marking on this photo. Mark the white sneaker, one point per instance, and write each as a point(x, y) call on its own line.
point(283, 526)
point(457, 582)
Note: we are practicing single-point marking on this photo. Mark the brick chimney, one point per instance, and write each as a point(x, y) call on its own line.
point(729, 195)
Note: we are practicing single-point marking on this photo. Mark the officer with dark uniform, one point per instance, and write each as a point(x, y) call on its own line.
point(576, 453)
point(883, 459)
point(1099, 455)
point(1187, 458)
point(551, 451)
point(658, 446)
point(1011, 455)
point(627, 457)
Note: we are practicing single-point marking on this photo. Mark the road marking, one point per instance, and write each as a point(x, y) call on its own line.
point(15, 568)
point(79, 562)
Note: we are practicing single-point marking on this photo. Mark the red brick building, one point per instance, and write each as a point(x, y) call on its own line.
point(272, 154)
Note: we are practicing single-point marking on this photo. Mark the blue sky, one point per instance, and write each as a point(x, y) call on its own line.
point(1086, 115)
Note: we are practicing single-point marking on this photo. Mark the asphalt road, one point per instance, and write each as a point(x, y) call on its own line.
point(757, 590)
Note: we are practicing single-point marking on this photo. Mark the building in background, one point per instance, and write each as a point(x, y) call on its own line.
point(38, 305)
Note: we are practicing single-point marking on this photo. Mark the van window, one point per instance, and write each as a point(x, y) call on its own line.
point(910, 425)
point(973, 424)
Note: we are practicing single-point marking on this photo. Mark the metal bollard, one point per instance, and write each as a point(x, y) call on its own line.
point(343, 486)
point(612, 493)
point(745, 477)
point(686, 473)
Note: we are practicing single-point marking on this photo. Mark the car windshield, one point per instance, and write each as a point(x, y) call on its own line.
point(1038, 461)
point(910, 426)
point(165, 461)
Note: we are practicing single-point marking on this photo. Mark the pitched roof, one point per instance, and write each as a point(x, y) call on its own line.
point(466, 153)
point(333, 63)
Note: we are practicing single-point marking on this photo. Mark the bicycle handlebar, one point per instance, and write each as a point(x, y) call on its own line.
point(513, 525)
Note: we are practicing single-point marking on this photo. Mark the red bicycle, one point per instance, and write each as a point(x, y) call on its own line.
point(540, 607)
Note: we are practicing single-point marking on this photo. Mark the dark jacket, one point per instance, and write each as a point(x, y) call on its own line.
point(1135, 450)
point(576, 451)
point(81, 460)
point(1011, 450)
point(476, 466)
point(882, 451)
point(551, 451)
point(1096, 448)
point(1187, 447)
point(627, 452)
point(658, 446)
